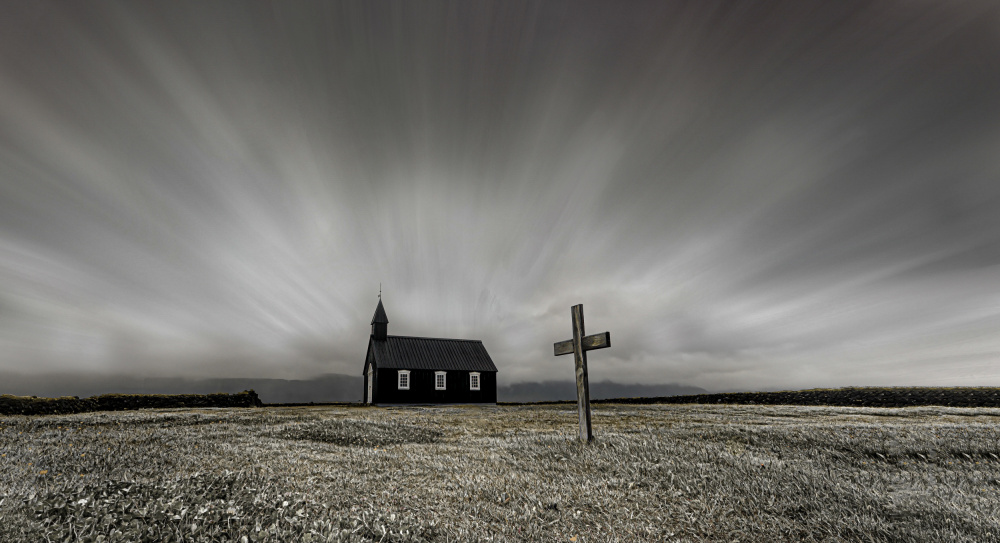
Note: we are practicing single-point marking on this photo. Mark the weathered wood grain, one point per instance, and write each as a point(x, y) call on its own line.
point(579, 346)
point(590, 343)
point(563, 347)
point(582, 383)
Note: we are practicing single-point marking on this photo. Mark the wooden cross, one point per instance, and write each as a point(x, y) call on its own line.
point(579, 346)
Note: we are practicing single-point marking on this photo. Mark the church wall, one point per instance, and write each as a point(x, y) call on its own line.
point(422, 388)
point(488, 387)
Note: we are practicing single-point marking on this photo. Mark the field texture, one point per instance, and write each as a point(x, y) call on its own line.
point(654, 473)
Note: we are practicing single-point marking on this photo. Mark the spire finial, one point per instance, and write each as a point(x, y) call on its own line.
point(380, 291)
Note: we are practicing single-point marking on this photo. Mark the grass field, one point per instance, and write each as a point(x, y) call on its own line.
point(654, 473)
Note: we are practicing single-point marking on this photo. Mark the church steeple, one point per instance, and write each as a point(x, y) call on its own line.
point(379, 321)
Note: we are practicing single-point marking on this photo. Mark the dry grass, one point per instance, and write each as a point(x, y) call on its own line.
point(655, 473)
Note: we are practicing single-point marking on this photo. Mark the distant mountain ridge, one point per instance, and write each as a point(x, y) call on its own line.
point(324, 388)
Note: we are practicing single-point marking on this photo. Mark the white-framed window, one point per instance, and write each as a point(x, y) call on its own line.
point(439, 379)
point(403, 380)
point(474, 380)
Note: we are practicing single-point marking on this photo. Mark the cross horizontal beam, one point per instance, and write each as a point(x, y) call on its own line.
point(590, 343)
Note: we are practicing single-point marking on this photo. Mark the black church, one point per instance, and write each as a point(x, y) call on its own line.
point(423, 370)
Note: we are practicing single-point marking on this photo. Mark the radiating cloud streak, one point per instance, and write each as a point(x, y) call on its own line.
point(766, 195)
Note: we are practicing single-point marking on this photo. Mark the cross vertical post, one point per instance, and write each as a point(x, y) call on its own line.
point(579, 346)
point(582, 383)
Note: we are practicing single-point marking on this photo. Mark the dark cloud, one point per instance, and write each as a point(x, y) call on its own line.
point(758, 195)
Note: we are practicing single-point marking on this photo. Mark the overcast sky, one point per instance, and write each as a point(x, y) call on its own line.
point(752, 195)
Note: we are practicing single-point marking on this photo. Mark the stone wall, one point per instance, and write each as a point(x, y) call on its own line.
point(24, 405)
point(851, 396)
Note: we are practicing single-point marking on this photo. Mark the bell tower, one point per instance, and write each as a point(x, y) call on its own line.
point(379, 321)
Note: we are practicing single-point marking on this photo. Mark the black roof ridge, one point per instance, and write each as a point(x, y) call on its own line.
point(438, 338)
point(423, 353)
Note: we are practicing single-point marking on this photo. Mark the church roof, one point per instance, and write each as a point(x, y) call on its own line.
point(426, 353)
point(380, 314)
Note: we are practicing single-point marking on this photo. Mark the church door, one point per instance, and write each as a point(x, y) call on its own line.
point(371, 374)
